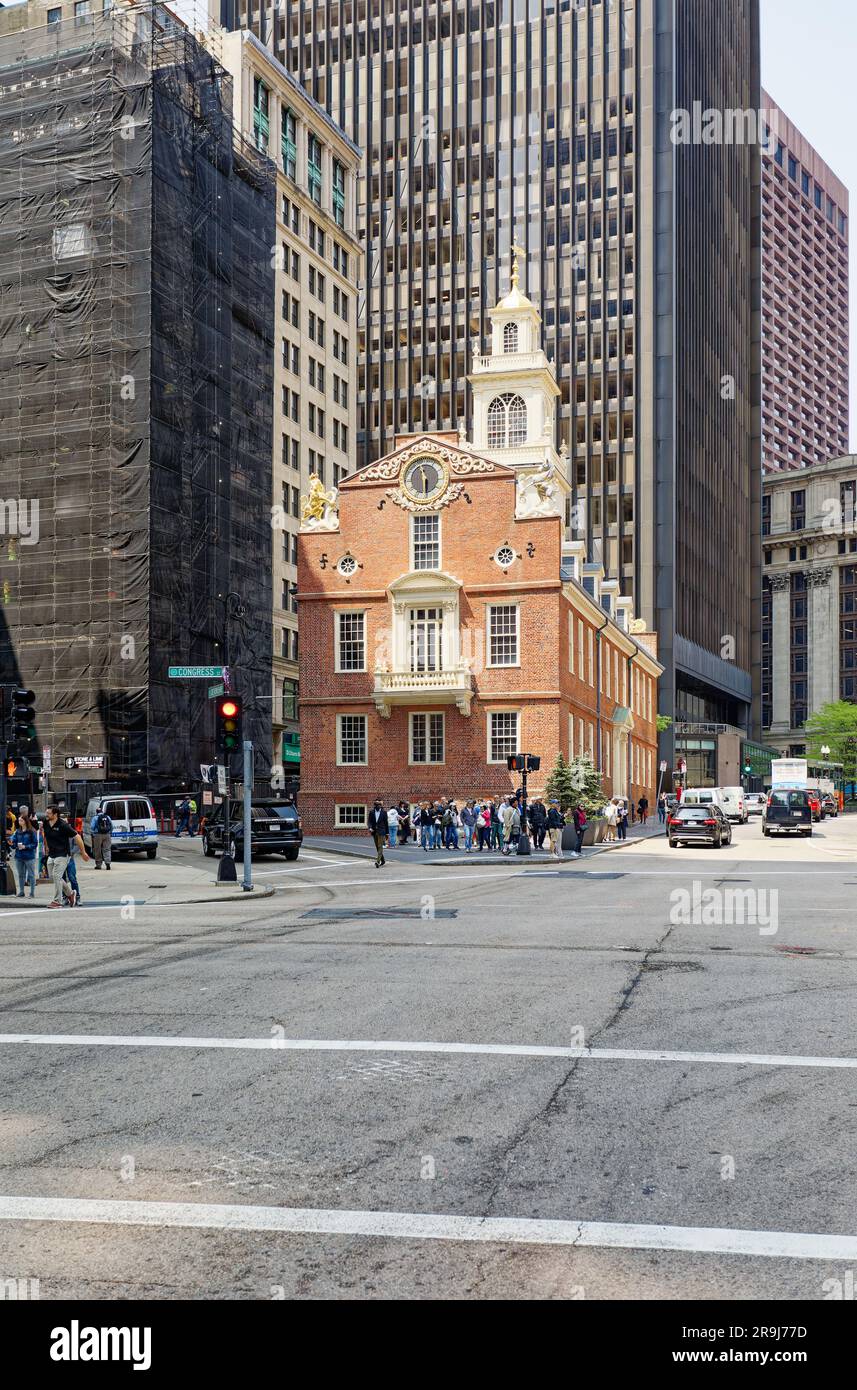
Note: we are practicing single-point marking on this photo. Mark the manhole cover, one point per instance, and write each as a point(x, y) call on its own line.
point(374, 914)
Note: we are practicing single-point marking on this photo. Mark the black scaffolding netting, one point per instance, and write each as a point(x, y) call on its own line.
point(136, 379)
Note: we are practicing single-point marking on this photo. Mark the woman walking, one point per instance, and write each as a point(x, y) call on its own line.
point(25, 843)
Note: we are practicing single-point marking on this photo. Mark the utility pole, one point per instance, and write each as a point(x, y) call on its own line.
point(247, 885)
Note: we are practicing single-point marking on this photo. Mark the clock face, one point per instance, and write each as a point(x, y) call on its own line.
point(424, 479)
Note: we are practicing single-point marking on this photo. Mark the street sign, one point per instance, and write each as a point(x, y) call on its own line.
point(195, 673)
point(46, 758)
point(215, 690)
point(663, 767)
point(221, 779)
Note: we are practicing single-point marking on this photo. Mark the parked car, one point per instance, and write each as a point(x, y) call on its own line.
point(734, 805)
point(699, 824)
point(815, 804)
point(829, 804)
point(135, 829)
point(788, 811)
point(275, 828)
point(755, 803)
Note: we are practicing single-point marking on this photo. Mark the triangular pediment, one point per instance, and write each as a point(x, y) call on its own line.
point(424, 582)
point(459, 462)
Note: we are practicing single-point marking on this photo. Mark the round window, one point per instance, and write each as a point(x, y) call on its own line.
point(505, 556)
point(347, 565)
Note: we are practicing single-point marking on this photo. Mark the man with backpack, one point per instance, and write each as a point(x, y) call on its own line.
point(555, 824)
point(101, 829)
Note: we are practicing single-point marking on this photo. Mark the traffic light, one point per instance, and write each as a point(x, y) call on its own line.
point(17, 767)
point(523, 762)
point(228, 715)
point(23, 715)
point(748, 768)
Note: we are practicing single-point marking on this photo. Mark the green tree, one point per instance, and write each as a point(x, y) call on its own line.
point(835, 727)
point(664, 721)
point(561, 784)
point(586, 781)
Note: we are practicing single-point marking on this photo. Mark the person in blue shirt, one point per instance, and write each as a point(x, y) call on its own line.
point(25, 842)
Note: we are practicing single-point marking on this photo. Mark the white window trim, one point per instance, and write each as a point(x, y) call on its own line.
point(502, 665)
point(337, 662)
point(339, 760)
point(500, 709)
point(571, 643)
point(591, 645)
point(411, 557)
point(349, 824)
point(429, 762)
point(581, 670)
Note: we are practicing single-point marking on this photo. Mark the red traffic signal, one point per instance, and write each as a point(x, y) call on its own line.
point(228, 716)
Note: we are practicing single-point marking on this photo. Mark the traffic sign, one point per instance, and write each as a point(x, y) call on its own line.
point(195, 673)
point(215, 690)
point(663, 767)
point(46, 758)
point(221, 779)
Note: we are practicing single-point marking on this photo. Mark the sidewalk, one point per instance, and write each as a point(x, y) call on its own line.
point(144, 881)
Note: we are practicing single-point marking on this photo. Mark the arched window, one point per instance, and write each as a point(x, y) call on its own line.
point(510, 337)
point(517, 421)
point(507, 422)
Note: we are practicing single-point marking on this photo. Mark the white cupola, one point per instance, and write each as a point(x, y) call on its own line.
point(514, 386)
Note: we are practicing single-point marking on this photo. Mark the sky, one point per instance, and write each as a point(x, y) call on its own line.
point(809, 67)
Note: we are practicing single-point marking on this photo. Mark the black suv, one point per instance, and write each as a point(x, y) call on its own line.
point(705, 825)
point(789, 811)
point(275, 828)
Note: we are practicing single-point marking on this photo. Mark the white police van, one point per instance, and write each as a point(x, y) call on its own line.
point(135, 829)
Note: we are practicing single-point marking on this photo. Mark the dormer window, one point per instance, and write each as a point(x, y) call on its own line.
point(507, 421)
point(510, 337)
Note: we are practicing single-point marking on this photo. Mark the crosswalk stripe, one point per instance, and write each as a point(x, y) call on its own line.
point(710, 1240)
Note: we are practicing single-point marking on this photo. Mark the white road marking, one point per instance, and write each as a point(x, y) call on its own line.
point(399, 1225)
point(274, 1044)
point(309, 869)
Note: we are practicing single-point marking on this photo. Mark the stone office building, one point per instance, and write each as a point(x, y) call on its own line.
point(809, 616)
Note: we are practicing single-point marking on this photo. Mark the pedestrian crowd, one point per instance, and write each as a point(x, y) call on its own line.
point(481, 826)
point(489, 826)
point(44, 850)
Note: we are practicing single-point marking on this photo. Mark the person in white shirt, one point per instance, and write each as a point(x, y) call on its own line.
point(393, 823)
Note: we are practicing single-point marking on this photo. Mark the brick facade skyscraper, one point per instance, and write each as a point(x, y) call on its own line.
point(804, 302)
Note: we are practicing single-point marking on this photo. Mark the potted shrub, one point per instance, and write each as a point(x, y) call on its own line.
point(578, 783)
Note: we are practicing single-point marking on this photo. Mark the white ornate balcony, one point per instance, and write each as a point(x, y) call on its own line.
point(452, 686)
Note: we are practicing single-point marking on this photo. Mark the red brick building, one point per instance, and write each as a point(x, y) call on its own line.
point(444, 624)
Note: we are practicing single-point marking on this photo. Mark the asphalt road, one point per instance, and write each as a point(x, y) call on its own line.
point(597, 1048)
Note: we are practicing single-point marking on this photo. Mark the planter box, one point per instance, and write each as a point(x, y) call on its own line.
point(569, 838)
point(594, 831)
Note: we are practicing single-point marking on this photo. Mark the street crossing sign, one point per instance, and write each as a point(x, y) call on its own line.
point(215, 690)
point(195, 673)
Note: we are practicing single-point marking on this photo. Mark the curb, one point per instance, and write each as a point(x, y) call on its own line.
point(260, 890)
